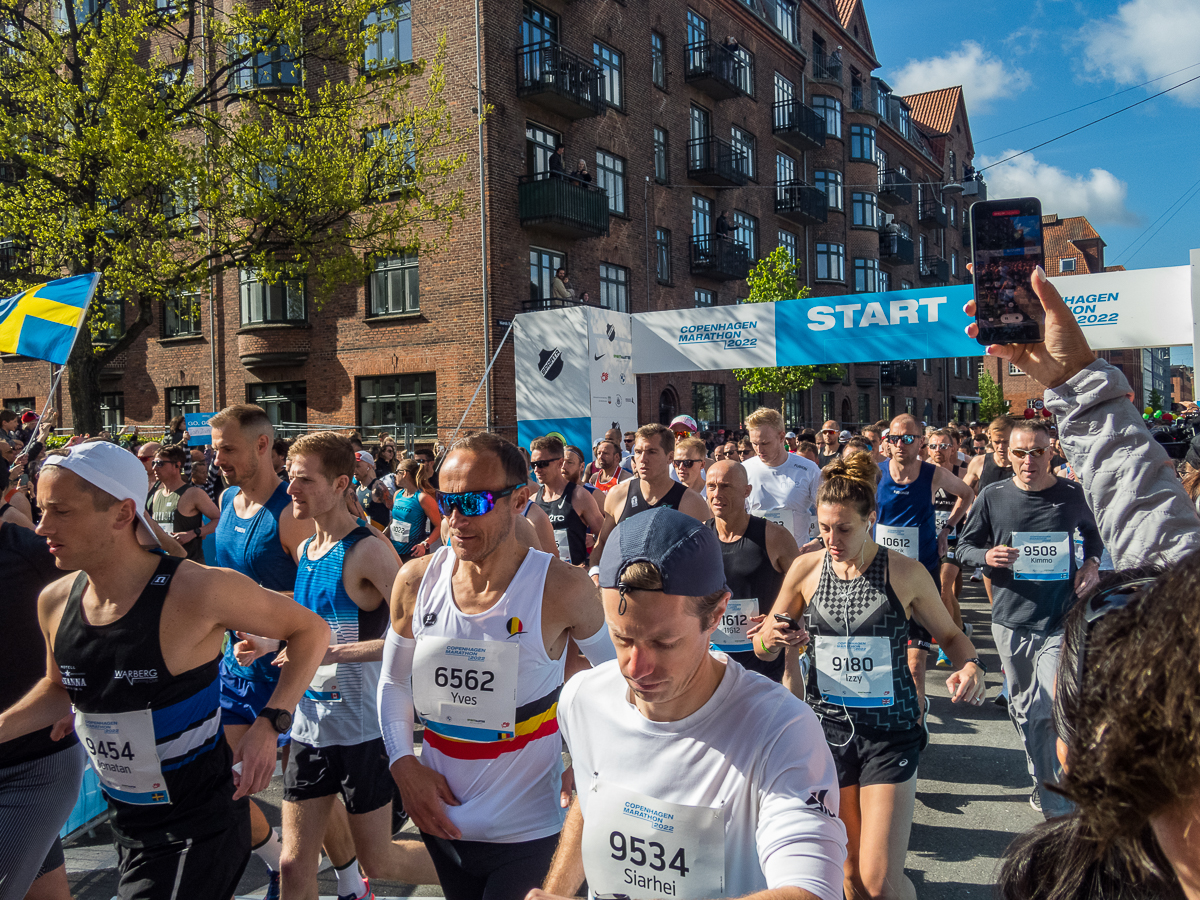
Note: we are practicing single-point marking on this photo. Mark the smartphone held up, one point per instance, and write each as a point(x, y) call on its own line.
point(1006, 246)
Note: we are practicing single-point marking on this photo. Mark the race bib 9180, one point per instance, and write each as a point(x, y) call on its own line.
point(854, 671)
point(466, 689)
point(1045, 555)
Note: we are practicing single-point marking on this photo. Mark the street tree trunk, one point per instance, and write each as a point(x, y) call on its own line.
point(84, 370)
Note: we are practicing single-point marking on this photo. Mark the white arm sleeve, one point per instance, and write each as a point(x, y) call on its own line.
point(396, 695)
point(599, 647)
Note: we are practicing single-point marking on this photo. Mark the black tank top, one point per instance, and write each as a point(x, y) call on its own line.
point(119, 668)
point(570, 533)
point(992, 473)
point(636, 503)
point(749, 574)
point(164, 508)
point(866, 607)
point(943, 505)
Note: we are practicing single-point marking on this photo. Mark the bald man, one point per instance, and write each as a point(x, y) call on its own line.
point(756, 554)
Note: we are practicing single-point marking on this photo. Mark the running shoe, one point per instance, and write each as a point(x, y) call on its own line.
point(1001, 701)
point(1035, 800)
point(977, 575)
point(368, 894)
point(272, 886)
point(943, 661)
point(968, 629)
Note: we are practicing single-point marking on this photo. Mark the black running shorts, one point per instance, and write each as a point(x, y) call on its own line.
point(359, 772)
point(877, 758)
point(206, 868)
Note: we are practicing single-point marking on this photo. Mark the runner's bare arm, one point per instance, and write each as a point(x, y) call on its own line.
point(566, 869)
point(921, 597)
point(944, 479)
point(974, 471)
point(781, 547)
point(47, 701)
point(168, 543)
point(586, 508)
point(293, 532)
point(196, 501)
point(693, 505)
point(614, 500)
point(544, 530)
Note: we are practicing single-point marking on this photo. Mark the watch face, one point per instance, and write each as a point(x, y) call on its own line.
point(283, 721)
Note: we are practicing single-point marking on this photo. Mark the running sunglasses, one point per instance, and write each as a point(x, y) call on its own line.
point(904, 439)
point(1035, 452)
point(542, 463)
point(939, 446)
point(1098, 605)
point(685, 463)
point(473, 503)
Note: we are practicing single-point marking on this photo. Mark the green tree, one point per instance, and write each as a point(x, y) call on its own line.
point(1155, 401)
point(991, 396)
point(773, 279)
point(163, 142)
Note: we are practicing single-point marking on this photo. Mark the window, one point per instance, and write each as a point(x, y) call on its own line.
point(697, 27)
point(745, 230)
point(826, 405)
point(953, 165)
point(785, 20)
point(925, 366)
point(883, 281)
point(112, 410)
point(181, 314)
point(182, 400)
point(785, 96)
point(906, 285)
point(1012, 370)
point(16, 404)
point(391, 43)
point(399, 400)
point(866, 275)
point(542, 266)
point(748, 402)
point(831, 183)
point(785, 173)
point(905, 121)
point(1066, 264)
point(181, 205)
point(395, 285)
point(701, 216)
point(957, 367)
point(276, 66)
point(788, 241)
point(610, 175)
point(928, 414)
point(881, 160)
point(537, 25)
point(662, 255)
point(743, 143)
point(910, 405)
point(394, 163)
point(540, 144)
point(708, 404)
point(831, 263)
point(864, 409)
point(831, 110)
point(608, 61)
point(953, 263)
point(952, 208)
point(662, 173)
point(705, 298)
point(885, 407)
point(658, 61)
point(614, 287)
point(865, 212)
point(282, 301)
point(744, 74)
point(109, 323)
point(862, 143)
point(284, 402)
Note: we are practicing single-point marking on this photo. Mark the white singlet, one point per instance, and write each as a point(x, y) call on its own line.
point(784, 494)
point(648, 832)
point(487, 692)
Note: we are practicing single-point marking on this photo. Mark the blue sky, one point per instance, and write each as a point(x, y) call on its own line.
point(1022, 62)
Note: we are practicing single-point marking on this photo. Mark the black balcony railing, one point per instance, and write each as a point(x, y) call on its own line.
point(895, 188)
point(974, 187)
point(826, 67)
point(562, 205)
point(560, 80)
point(716, 162)
point(715, 69)
point(934, 268)
point(933, 213)
point(721, 259)
point(801, 203)
point(799, 125)
point(895, 249)
point(537, 304)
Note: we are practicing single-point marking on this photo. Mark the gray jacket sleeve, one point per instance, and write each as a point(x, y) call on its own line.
point(1143, 514)
point(975, 535)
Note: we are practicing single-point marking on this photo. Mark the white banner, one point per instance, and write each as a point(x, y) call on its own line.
point(612, 383)
point(1138, 308)
point(702, 340)
point(552, 364)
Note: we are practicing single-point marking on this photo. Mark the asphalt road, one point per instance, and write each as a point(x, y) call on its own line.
point(972, 799)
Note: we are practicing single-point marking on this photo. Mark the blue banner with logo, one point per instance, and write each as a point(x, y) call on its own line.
point(919, 324)
point(576, 431)
point(198, 429)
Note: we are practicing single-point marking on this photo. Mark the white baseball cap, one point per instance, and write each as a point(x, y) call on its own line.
point(364, 456)
point(114, 470)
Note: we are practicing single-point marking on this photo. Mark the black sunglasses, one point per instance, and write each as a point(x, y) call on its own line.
point(542, 463)
point(904, 439)
point(685, 463)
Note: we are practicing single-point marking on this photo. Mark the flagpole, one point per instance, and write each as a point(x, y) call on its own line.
point(62, 368)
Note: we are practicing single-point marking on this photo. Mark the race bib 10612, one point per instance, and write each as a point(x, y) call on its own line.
point(902, 539)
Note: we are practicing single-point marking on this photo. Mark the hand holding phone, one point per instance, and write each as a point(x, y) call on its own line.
point(1006, 248)
point(788, 621)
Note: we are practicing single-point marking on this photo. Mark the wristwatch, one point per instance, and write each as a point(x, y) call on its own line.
point(197, 530)
point(973, 659)
point(280, 719)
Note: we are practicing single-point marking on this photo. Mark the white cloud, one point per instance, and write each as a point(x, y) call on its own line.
point(1099, 195)
point(1145, 39)
point(983, 77)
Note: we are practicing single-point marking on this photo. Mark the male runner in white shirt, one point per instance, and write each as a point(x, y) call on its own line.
point(783, 485)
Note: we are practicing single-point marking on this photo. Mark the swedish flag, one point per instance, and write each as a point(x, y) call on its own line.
point(42, 321)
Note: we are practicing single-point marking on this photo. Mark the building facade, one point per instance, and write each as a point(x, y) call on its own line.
point(1183, 384)
point(711, 133)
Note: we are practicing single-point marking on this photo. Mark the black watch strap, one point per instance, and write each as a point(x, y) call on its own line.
point(280, 719)
point(978, 662)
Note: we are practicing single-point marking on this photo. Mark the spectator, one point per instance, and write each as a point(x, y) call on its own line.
point(746, 449)
point(28, 425)
point(385, 462)
point(560, 287)
point(555, 162)
point(722, 228)
point(176, 432)
point(808, 450)
point(279, 452)
point(10, 424)
point(792, 441)
point(581, 173)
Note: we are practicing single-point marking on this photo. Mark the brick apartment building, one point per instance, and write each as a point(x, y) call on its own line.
point(765, 110)
point(1073, 247)
point(1183, 384)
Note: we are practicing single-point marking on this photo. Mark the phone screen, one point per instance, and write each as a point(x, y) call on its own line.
point(1006, 237)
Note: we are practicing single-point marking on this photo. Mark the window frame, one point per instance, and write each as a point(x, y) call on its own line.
point(417, 397)
point(743, 140)
point(790, 241)
point(610, 60)
point(249, 277)
point(610, 175)
point(409, 267)
point(662, 173)
point(614, 279)
point(862, 203)
point(863, 140)
point(182, 400)
point(176, 299)
point(745, 231)
point(828, 255)
point(662, 255)
point(394, 25)
point(868, 269)
point(271, 395)
point(658, 60)
point(821, 180)
point(696, 298)
point(827, 107)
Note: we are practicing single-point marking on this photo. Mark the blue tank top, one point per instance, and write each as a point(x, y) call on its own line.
point(911, 505)
point(339, 708)
point(409, 523)
point(251, 546)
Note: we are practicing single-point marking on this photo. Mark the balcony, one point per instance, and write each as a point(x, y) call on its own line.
point(933, 213)
point(895, 249)
point(562, 206)
point(895, 189)
point(934, 268)
point(721, 259)
point(975, 188)
point(539, 304)
point(714, 161)
point(559, 80)
point(714, 69)
point(798, 125)
point(862, 98)
point(825, 68)
point(801, 203)
point(274, 344)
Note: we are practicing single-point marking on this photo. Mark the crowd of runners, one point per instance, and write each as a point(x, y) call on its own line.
point(663, 666)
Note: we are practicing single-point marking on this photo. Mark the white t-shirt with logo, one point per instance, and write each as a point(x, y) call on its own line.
point(656, 786)
point(785, 494)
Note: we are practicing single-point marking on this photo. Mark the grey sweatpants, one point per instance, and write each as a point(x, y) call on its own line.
point(1030, 661)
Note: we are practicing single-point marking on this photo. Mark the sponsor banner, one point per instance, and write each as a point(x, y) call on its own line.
point(1139, 308)
point(918, 324)
point(612, 384)
point(570, 431)
point(550, 350)
point(701, 340)
point(198, 429)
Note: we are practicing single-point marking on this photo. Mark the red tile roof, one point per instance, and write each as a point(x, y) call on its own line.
point(846, 10)
point(1061, 239)
point(935, 109)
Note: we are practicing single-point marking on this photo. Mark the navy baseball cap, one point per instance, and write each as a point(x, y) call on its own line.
point(686, 553)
